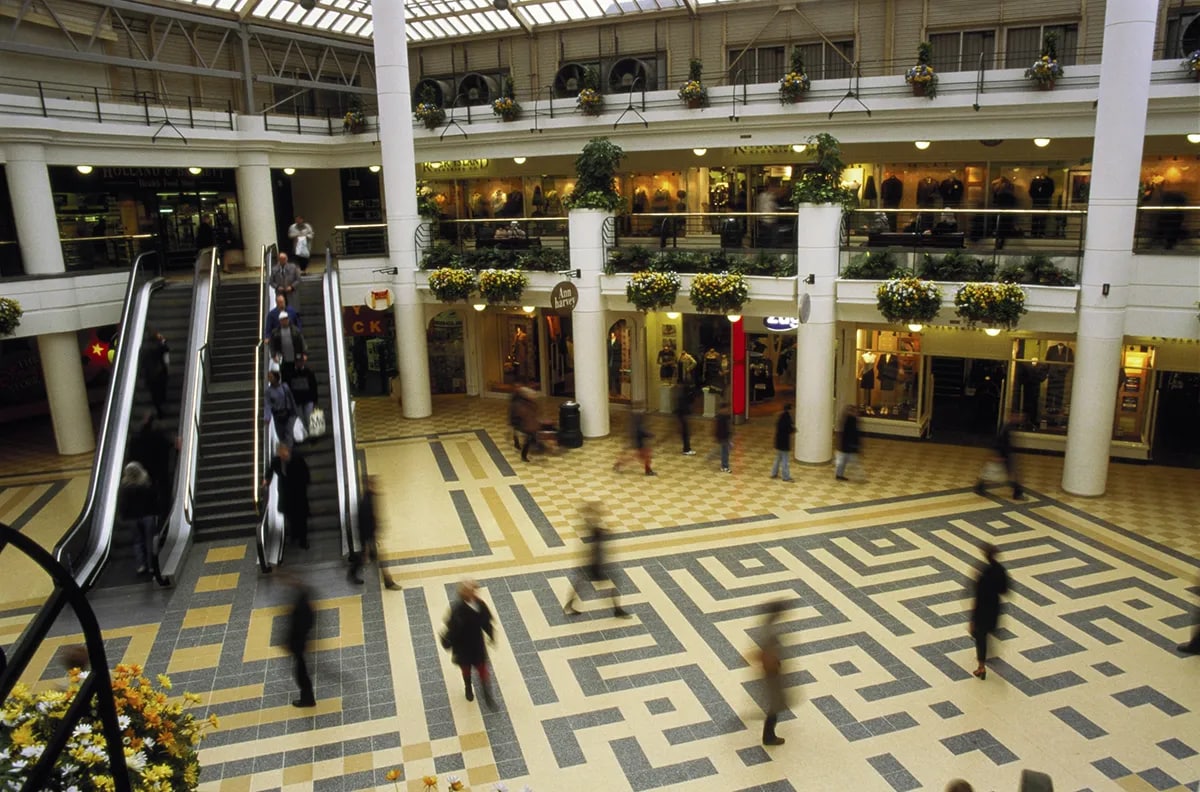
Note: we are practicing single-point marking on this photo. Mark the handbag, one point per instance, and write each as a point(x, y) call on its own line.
point(316, 423)
point(298, 432)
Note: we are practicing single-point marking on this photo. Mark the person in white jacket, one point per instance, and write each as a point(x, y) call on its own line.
point(301, 234)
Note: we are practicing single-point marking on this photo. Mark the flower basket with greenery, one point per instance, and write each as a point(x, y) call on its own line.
point(1045, 70)
point(873, 265)
point(590, 100)
point(427, 205)
point(922, 77)
point(650, 291)
point(794, 84)
point(1036, 271)
point(355, 119)
point(991, 304)
point(449, 284)
point(720, 292)
point(428, 111)
point(822, 183)
point(502, 286)
point(908, 300)
point(506, 106)
point(692, 92)
point(160, 739)
point(10, 315)
point(595, 171)
point(1192, 64)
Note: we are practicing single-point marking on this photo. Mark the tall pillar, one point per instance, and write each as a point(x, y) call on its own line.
point(41, 253)
point(1107, 260)
point(400, 187)
point(256, 204)
point(817, 255)
point(588, 321)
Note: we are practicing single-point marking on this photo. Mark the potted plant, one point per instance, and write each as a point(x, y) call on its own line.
point(590, 100)
point(506, 106)
point(693, 93)
point(10, 315)
point(427, 205)
point(1036, 270)
point(595, 171)
point(922, 77)
point(822, 183)
point(720, 292)
point(793, 84)
point(1192, 64)
point(355, 120)
point(160, 738)
point(502, 285)
point(991, 304)
point(450, 284)
point(1045, 70)
point(908, 300)
point(650, 291)
point(428, 112)
point(873, 265)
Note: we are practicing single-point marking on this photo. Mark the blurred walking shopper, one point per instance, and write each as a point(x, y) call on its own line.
point(527, 420)
point(848, 443)
point(285, 280)
point(151, 447)
point(287, 346)
point(468, 622)
point(1002, 469)
point(304, 390)
point(155, 367)
point(597, 568)
point(723, 431)
point(771, 661)
point(368, 534)
point(684, 396)
point(293, 473)
point(300, 624)
point(279, 407)
point(301, 234)
point(137, 505)
point(639, 443)
point(784, 429)
point(1193, 646)
point(990, 584)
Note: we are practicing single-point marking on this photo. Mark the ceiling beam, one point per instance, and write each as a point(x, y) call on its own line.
point(116, 60)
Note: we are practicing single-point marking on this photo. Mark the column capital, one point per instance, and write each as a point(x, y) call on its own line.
point(25, 152)
point(250, 158)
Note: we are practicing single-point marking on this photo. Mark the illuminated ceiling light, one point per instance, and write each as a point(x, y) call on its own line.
point(734, 317)
point(289, 171)
point(195, 171)
point(992, 331)
point(916, 328)
point(1041, 142)
point(434, 165)
point(699, 152)
point(528, 308)
point(374, 168)
point(799, 148)
point(84, 169)
point(479, 306)
point(921, 144)
point(672, 314)
point(519, 160)
point(1193, 137)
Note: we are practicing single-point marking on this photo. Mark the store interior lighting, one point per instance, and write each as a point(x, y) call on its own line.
point(992, 331)
point(672, 315)
point(479, 306)
point(916, 328)
point(921, 144)
point(289, 171)
point(699, 152)
point(84, 169)
point(374, 168)
point(195, 171)
point(1041, 142)
point(734, 317)
point(528, 309)
point(1193, 137)
point(519, 160)
point(799, 148)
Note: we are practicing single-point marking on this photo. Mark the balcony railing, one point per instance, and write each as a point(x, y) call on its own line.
point(1168, 229)
point(21, 96)
point(105, 252)
point(366, 239)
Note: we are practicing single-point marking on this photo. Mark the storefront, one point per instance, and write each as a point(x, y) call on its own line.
point(446, 340)
point(370, 338)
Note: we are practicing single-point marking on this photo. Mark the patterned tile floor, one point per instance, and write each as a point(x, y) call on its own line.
point(1084, 684)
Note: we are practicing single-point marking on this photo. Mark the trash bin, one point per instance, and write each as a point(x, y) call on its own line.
point(569, 433)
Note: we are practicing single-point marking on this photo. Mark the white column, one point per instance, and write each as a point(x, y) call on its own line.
point(41, 254)
point(400, 186)
point(816, 255)
point(588, 322)
point(1107, 260)
point(256, 204)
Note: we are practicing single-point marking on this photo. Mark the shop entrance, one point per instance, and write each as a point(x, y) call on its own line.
point(560, 350)
point(771, 370)
point(1176, 431)
point(967, 397)
point(447, 354)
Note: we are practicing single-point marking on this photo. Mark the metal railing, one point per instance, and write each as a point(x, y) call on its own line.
point(341, 409)
point(262, 429)
point(709, 230)
point(367, 239)
point(49, 99)
point(1167, 229)
point(100, 252)
point(328, 122)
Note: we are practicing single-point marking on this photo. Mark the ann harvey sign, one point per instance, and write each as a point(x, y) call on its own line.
point(564, 297)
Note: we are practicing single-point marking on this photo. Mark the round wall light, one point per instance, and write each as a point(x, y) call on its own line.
point(84, 169)
point(1193, 137)
point(479, 306)
point(528, 309)
point(734, 317)
point(916, 328)
point(672, 315)
point(992, 331)
point(519, 160)
point(289, 171)
point(1041, 142)
point(195, 171)
point(374, 168)
point(921, 144)
point(434, 165)
point(699, 152)
point(799, 148)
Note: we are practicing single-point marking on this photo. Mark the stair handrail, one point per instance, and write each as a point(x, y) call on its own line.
point(179, 527)
point(114, 431)
point(262, 430)
point(341, 409)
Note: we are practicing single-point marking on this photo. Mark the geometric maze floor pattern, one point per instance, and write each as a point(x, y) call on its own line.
point(1084, 683)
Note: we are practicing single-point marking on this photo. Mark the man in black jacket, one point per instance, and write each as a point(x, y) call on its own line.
point(287, 345)
point(469, 621)
point(848, 442)
point(293, 475)
point(1005, 456)
point(991, 583)
point(784, 429)
point(304, 389)
point(299, 626)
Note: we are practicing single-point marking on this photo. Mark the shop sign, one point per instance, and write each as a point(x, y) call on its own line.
point(781, 324)
point(564, 297)
point(360, 321)
point(753, 150)
point(455, 166)
point(378, 299)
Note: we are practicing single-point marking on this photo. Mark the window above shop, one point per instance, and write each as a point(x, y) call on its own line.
point(961, 50)
point(1023, 45)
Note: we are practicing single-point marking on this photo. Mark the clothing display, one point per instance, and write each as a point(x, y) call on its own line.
point(1056, 384)
point(887, 368)
point(951, 190)
point(890, 193)
point(712, 371)
point(1041, 193)
point(870, 195)
point(1030, 377)
point(666, 364)
point(928, 191)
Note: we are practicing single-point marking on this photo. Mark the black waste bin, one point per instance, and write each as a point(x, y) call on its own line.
point(731, 233)
point(569, 433)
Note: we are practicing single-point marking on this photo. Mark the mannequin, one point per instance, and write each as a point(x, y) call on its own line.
point(951, 189)
point(712, 370)
point(687, 367)
point(866, 381)
point(928, 190)
point(870, 195)
point(666, 362)
point(614, 364)
point(1029, 380)
point(1041, 193)
point(887, 369)
point(1056, 385)
point(890, 192)
point(639, 201)
point(1003, 197)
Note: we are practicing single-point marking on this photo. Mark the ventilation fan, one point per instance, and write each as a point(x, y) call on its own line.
point(442, 91)
point(629, 74)
point(568, 82)
point(477, 89)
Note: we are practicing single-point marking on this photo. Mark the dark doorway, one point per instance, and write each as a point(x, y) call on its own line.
point(1176, 430)
point(967, 393)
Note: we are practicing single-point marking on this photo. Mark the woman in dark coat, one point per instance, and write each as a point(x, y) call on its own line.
point(469, 620)
point(992, 582)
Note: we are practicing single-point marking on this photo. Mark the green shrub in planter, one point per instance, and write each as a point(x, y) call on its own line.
point(721, 292)
point(650, 291)
point(452, 285)
point(956, 266)
point(873, 266)
point(10, 315)
point(1036, 271)
point(630, 259)
point(991, 304)
point(595, 170)
point(544, 259)
point(440, 255)
point(502, 286)
point(908, 300)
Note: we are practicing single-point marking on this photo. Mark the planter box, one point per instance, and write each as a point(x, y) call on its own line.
point(768, 296)
point(856, 301)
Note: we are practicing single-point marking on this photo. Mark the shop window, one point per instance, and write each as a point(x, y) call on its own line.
point(519, 351)
point(828, 60)
point(1133, 395)
point(1041, 384)
point(1024, 44)
point(759, 64)
point(447, 357)
point(887, 372)
point(960, 51)
point(620, 379)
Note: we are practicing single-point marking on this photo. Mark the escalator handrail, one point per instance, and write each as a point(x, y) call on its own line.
point(125, 366)
point(341, 410)
point(261, 430)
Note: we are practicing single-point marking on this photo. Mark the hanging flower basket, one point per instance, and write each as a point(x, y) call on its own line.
point(1192, 64)
point(922, 77)
point(1045, 70)
point(507, 108)
point(590, 101)
point(502, 286)
point(721, 292)
point(451, 285)
point(793, 87)
point(10, 315)
point(693, 94)
point(991, 304)
point(908, 300)
point(430, 114)
point(161, 739)
point(651, 291)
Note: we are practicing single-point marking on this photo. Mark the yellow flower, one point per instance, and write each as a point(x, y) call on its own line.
point(393, 775)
